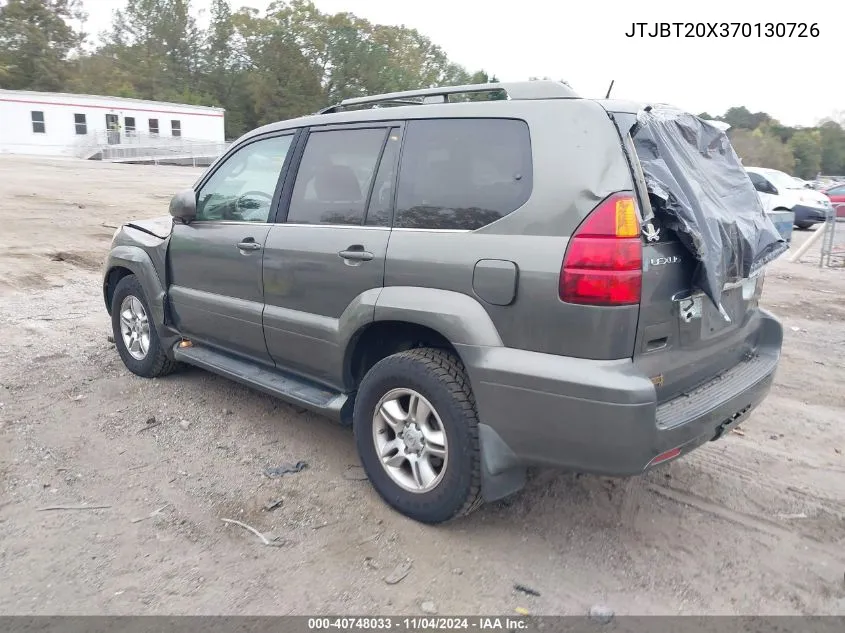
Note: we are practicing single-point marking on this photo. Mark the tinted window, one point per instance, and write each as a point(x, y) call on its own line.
point(462, 173)
point(242, 188)
point(381, 200)
point(334, 176)
point(760, 183)
point(153, 126)
point(130, 125)
point(176, 128)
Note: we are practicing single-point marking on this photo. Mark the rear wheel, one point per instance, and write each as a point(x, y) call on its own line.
point(417, 435)
point(135, 334)
point(804, 226)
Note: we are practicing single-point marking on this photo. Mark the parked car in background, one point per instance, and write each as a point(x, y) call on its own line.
point(837, 197)
point(779, 191)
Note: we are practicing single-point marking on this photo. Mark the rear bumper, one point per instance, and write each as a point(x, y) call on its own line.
point(808, 215)
point(600, 416)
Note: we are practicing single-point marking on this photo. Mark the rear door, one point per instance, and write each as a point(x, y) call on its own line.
point(329, 248)
point(682, 339)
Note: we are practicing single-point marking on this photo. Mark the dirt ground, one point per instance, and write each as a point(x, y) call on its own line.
point(751, 524)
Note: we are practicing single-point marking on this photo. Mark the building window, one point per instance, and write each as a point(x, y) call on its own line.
point(176, 127)
point(153, 127)
point(80, 123)
point(129, 124)
point(38, 126)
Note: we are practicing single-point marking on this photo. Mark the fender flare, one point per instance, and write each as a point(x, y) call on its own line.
point(136, 260)
point(461, 319)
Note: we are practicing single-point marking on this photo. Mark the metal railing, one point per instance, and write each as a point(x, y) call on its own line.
point(833, 237)
point(186, 149)
point(147, 148)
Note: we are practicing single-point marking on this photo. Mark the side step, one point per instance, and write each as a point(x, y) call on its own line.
point(288, 387)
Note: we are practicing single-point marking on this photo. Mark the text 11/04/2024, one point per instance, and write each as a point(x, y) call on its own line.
point(723, 29)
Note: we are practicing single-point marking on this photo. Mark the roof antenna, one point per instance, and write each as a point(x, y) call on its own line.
point(607, 96)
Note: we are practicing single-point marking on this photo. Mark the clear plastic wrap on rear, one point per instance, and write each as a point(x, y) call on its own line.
point(699, 189)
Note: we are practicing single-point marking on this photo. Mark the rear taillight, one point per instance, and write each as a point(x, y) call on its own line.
point(603, 264)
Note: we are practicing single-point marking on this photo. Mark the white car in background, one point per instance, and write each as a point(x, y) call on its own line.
point(779, 191)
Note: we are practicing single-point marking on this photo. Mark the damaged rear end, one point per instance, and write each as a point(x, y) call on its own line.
point(702, 338)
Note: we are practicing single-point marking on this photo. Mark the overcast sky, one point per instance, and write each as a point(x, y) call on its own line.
point(798, 81)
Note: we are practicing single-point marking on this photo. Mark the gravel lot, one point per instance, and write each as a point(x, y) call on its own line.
point(752, 524)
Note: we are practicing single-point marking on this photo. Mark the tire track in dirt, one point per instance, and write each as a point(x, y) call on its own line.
point(750, 522)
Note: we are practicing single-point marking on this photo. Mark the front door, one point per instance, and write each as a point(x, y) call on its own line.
point(113, 129)
point(216, 290)
point(329, 249)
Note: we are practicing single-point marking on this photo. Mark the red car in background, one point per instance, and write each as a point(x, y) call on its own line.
point(836, 193)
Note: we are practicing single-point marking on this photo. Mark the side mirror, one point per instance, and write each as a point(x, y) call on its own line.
point(183, 206)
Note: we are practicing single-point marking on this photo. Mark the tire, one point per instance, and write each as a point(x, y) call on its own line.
point(804, 226)
point(439, 378)
point(154, 362)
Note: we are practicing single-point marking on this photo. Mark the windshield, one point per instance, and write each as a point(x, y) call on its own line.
point(781, 180)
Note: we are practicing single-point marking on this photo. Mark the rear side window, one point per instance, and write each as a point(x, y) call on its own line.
point(462, 173)
point(335, 175)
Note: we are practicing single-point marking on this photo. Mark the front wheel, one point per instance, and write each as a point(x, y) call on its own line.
point(417, 435)
point(135, 334)
point(804, 226)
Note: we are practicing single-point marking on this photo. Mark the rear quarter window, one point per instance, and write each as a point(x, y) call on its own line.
point(462, 174)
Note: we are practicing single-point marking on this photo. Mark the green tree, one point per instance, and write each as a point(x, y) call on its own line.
point(291, 60)
point(99, 73)
point(832, 140)
point(761, 149)
point(159, 43)
point(805, 146)
point(741, 117)
point(36, 41)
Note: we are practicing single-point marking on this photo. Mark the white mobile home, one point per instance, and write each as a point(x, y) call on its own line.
point(58, 124)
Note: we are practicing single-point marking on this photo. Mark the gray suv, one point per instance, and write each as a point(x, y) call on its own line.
point(467, 280)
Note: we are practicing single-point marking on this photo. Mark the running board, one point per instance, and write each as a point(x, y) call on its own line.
point(283, 385)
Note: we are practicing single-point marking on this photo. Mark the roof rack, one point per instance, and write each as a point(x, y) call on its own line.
point(517, 91)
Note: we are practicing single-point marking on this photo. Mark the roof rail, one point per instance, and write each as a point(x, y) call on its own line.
point(517, 91)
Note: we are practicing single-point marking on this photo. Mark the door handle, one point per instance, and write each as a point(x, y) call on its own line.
point(356, 253)
point(249, 244)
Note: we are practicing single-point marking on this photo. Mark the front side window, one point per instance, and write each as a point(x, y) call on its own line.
point(38, 126)
point(80, 124)
point(462, 174)
point(242, 188)
point(176, 128)
point(334, 178)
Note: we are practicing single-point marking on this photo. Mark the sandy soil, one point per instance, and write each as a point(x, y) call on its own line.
point(751, 524)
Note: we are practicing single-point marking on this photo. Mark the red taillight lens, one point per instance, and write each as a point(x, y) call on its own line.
point(604, 260)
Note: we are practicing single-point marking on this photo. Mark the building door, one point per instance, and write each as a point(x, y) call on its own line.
point(113, 129)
